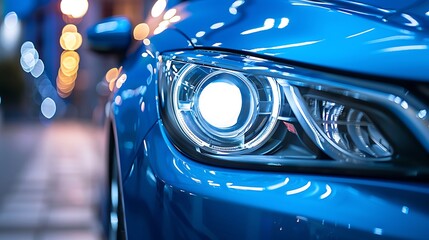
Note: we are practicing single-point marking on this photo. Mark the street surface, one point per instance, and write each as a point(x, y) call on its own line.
point(50, 181)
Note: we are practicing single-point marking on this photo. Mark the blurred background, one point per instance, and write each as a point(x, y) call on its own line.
point(47, 70)
point(52, 106)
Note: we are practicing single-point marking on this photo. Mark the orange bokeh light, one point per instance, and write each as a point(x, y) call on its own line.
point(141, 31)
point(112, 75)
point(69, 28)
point(71, 40)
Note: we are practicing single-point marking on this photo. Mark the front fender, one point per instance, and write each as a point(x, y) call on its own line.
point(134, 105)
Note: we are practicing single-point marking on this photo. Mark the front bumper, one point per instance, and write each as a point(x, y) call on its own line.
point(169, 196)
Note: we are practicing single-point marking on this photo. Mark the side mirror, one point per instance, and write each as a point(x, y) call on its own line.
point(111, 35)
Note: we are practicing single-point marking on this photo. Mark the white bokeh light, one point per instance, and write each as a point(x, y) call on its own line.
point(10, 31)
point(38, 68)
point(158, 8)
point(74, 8)
point(29, 58)
point(220, 104)
point(11, 20)
point(48, 108)
point(170, 13)
point(26, 46)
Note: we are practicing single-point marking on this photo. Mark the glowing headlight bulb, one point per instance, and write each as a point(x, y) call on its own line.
point(220, 104)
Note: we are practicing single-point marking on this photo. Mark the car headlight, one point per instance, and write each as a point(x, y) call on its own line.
point(223, 111)
point(231, 108)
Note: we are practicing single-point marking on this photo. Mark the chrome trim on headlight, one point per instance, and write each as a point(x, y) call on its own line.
point(345, 145)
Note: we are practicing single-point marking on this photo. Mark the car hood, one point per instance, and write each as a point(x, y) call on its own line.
point(388, 38)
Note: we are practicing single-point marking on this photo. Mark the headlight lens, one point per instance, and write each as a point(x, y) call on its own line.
point(236, 107)
point(223, 111)
point(350, 134)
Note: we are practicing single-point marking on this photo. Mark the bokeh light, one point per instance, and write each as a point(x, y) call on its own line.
point(74, 8)
point(141, 31)
point(112, 86)
point(38, 68)
point(170, 13)
point(69, 28)
point(48, 108)
point(69, 62)
point(25, 46)
point(169, 17)
point(146, 42)
point(121, 80)
point(11, 20)
point(67, 74)
point(175, 19)
point(158, 8)
point(115, 77)
point(70, 39)
point(31, 63)
point(29, 56)
point(10, 31)
point(66, 79)
point(112, 75)
point(159, 29)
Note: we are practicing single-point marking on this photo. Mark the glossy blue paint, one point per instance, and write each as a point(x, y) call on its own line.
point(134, 103)
point(167, 195)
point(322, 35)
point(171, 196)
point(110, 35)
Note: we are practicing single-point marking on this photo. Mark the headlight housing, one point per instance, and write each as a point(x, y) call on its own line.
point(224, 108)
point(223, 111)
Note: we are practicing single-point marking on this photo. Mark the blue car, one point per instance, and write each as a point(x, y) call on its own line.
point(280, 119)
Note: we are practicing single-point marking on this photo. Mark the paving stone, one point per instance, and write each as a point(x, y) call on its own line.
point(73, 217)
point(69, 235)
point(33, 186)
point(54, 194)
point(23, 206)
point(17, 236)
point(26, 196)
point(71, 197)
point(20, 219)
point(69, 168)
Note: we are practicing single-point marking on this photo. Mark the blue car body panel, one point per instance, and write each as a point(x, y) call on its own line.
point(169, 196)
point(134, 105)
point(320, 35)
